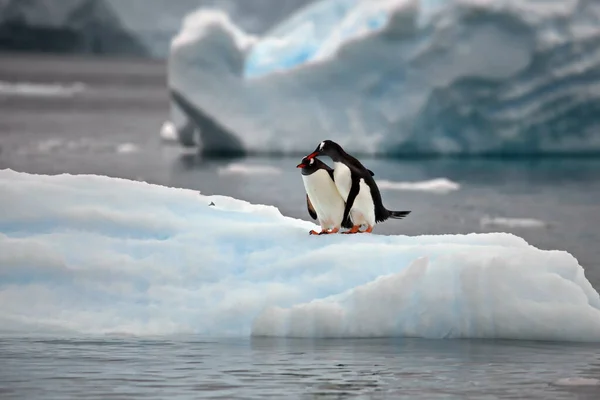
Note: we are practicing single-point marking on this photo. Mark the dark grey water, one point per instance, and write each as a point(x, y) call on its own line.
point(188, 368)
point(111, 128)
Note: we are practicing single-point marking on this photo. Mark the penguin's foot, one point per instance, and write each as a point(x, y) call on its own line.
point(324, 231)
point(329, 232)
point(355, 229)
point(368, 230)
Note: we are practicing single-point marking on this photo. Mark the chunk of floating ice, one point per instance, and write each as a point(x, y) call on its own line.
point(97, 255)
point(513, 222)
point(127, 148)
point(438, 185)
point(41, 89)
point(168, 131)
point(577, 382)
point(249, 169)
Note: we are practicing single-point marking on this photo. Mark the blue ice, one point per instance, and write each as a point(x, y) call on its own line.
point(98, 255)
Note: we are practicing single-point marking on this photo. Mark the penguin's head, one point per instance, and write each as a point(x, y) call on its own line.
point(306, 163)
point(327, 148)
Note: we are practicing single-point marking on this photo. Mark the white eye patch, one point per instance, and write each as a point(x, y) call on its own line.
point(312, 161)
point(321, 145)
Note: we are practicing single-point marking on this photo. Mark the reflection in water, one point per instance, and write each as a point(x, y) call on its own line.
point(193, 367)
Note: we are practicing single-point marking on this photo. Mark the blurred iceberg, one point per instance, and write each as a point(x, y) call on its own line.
point(395, 77)
point(131, 27)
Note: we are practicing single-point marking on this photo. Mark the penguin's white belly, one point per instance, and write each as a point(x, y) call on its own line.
point(363, 209)
point(343, 179)
point(325, 198)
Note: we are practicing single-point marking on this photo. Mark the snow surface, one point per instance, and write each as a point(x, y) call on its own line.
point(402, 77)
point(197, 26)
point(98, 255)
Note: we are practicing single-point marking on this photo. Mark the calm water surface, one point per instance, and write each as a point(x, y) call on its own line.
point(189, 368)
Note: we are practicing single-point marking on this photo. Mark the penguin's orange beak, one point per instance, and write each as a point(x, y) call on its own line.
point(300, 165)
point(312, 155)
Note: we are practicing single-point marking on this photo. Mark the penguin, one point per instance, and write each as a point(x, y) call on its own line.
point(357, 187)
point(323, 200)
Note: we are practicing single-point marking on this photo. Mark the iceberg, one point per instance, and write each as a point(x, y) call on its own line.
point(98, 255)
point(131, 27)
point(396, 77)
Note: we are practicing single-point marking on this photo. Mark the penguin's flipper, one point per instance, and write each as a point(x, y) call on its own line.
point(351, 197)
point(311, 210)
point(371, 172)
point(330, 172)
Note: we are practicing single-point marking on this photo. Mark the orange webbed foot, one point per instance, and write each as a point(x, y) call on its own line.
point(324, 232)
point(329, 232)
point(355, 229)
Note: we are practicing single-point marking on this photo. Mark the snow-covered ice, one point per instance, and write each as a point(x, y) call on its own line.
point(400, 77)
point(101, 255)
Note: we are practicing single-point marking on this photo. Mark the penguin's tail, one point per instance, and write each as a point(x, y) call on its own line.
point(398, 214)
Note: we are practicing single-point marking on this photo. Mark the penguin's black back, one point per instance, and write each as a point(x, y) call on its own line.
point(360, 171)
